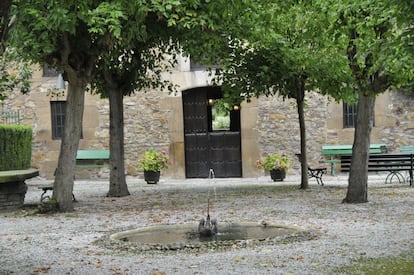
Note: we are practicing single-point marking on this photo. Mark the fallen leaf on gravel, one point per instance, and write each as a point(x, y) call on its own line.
point(43, 269)
point(115, 268)
point(298, 258)
point(238, 258)
point(156, 272)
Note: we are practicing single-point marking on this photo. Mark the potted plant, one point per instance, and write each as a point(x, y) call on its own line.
point(277, 164)
point(152, 162)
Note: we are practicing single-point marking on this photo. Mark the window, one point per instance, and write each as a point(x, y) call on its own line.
point(349, 114)
point(222, 116)
point(58, 112)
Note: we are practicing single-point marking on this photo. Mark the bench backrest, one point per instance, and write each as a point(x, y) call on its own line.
point(378, 161)
point(347, 149)
point(407, 149)
point(92, 154)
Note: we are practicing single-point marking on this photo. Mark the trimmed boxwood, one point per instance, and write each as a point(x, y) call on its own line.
point(15, 147)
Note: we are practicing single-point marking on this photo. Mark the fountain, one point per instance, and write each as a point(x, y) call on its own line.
point(208, 234)
point(207, 227)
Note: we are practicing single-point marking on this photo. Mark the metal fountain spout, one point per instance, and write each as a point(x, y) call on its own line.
point(208, 227)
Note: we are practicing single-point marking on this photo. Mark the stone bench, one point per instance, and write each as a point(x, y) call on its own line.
point(13, 187)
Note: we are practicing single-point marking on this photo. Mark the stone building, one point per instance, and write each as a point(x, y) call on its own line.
point(183, 124)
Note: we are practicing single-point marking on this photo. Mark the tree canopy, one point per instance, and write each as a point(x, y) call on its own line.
point(376, 43)
point(281, 55)
point(13, 72)
point(95, 41)
point(343, 49)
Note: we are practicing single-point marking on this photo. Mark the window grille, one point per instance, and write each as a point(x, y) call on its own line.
point(10, 117)
point(349, 115)
point(58, 113)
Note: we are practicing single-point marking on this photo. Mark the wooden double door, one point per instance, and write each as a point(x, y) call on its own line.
point(206, 147)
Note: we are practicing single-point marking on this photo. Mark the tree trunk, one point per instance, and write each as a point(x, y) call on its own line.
point(117, 184)
point(300, 102)
point(5, 8)
point(358, 174)
point(65, 171)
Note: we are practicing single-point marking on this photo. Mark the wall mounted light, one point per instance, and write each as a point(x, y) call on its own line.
point(210, 101)
point(60, 83)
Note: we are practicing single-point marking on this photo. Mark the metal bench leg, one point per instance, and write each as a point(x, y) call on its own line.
point(317, 174)
point(44, 196)
point(320, 181)
point(319, 177)
point(393, 174)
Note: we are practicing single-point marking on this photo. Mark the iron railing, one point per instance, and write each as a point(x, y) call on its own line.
point(10, 117)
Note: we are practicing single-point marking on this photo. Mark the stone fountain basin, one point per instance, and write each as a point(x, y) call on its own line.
point(181, 236)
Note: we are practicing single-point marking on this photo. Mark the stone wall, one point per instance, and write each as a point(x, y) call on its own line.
point(394, 121)
point(146, 126)
point(278, 127)
point(400, 116)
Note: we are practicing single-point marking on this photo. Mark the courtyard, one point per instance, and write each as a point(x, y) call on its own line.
point(337, 235)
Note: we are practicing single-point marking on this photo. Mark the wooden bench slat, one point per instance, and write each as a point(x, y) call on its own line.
point(92, 165)
point(92, 159)
point(92, 154)
point(407, 149)
point(347, 149)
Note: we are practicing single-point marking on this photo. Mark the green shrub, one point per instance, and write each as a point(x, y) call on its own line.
point(15, 147)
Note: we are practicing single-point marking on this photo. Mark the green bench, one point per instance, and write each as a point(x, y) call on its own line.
point(407, 149)
point(84, 159)
point(92, 158)
point(394, 164)
point(335, 151)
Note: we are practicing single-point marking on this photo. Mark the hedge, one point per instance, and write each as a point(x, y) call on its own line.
point(15, 147)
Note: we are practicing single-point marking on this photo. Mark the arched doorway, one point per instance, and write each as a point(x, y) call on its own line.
point(212, 136)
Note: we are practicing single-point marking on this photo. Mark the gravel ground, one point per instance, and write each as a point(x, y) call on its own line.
point(72, 243)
